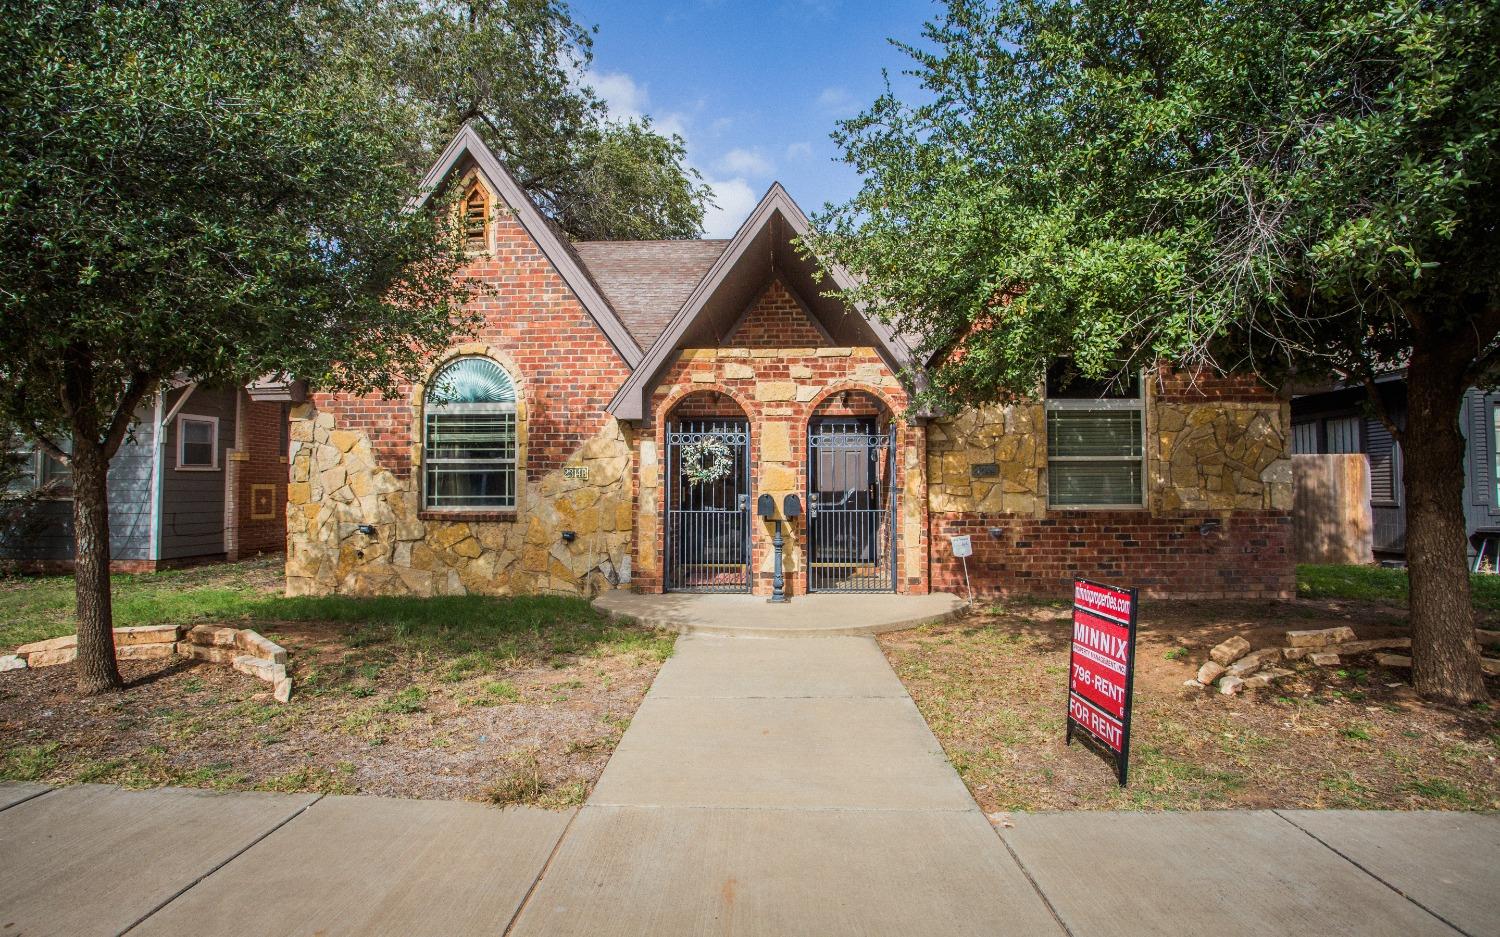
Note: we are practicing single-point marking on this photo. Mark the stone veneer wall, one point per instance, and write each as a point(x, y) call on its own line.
point(1217, 520)
point(779, 390)
point(356, 460)
point(338, 486)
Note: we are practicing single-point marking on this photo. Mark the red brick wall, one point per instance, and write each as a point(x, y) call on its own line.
point(777, 319)
point(261, 437)
point(1187, 387)
point(564, 365)
point(1249, 554)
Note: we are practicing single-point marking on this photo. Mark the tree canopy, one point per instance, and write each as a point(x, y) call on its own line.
point(1276, 185)
point(187, 193)
point(515, 68)
point(1297, 188)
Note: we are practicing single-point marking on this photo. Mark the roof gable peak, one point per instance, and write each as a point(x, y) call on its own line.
point(552, 243)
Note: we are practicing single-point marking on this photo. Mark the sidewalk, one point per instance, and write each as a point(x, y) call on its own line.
point(765, 787)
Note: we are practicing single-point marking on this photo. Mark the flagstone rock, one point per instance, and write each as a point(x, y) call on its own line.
point(145, 651)
point(1227, 652)
point(147, 634)
point(1209, 672)
point(1322, 637)
point(12, 662)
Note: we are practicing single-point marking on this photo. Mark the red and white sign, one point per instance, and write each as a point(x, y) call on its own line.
point(1099, 668)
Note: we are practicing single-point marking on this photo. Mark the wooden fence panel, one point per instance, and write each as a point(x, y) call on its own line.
point(1331, 518)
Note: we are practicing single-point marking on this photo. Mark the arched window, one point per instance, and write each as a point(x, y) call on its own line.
point(469, 438)
point(476, 219)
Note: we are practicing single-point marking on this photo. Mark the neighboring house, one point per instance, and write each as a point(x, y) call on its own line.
point(201, 476)
point(623, 407)
point(1340, 419)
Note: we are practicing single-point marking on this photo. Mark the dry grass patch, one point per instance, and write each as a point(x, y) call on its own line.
point(993, 689)
point(506, 700)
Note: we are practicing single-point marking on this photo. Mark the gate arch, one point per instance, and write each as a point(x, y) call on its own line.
point(706, 494)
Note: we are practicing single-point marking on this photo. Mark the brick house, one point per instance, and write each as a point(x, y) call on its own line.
point(624, 405)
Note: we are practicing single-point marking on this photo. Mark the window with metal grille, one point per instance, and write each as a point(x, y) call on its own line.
point(1095, 443)
point(476, 219)
point(469, 439)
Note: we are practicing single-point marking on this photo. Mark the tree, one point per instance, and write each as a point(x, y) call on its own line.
point(184, 194)
point(1295, 187)
point(513, 68)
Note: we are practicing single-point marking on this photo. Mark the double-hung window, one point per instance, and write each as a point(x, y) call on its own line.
point(1095, 442)
point(197, 443)
point(469, 446)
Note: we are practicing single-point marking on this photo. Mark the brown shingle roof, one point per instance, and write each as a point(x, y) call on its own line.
point(647, 281)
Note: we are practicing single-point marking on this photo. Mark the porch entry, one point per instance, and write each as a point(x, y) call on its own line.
point(707, 492)
point(851, 506)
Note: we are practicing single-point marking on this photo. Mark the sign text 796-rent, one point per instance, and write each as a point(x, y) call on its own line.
point(1099, 668)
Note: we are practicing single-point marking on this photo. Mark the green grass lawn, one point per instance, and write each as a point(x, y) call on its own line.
point(1376, 584)
point(34, 608)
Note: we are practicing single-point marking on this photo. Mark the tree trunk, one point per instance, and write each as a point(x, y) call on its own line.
point(97, 670)
point(1445, 657)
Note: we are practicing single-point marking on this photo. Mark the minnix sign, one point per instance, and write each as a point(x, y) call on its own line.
point(1101, 668)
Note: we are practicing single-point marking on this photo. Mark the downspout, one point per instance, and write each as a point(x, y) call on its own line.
point(153, 550)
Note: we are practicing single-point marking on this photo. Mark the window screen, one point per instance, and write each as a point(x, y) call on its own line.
point(196, 444)
point(469, 452)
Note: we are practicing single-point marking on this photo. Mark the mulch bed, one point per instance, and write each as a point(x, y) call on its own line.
point(992, 686)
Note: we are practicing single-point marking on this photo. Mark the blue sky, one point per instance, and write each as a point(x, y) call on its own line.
point(753, 87)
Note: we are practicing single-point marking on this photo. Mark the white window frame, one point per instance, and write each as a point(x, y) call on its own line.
point(513, 463)
point(182, 439)
point(1138, 404)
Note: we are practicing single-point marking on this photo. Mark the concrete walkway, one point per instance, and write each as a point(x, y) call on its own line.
point(818, 615)
point(765, 787)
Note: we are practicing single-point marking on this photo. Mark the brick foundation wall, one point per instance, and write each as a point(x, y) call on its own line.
point(777, 319)
point(257, 519)
point(1247, 554)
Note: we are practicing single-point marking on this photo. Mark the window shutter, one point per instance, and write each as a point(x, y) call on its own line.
point(1381, 449)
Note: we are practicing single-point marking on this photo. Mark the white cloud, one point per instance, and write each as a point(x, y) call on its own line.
point(733, 193)
point(838, 102)
point(742, 162)
point(800, 150)
point(735, 199)
point(620, 93)
point(627, 99)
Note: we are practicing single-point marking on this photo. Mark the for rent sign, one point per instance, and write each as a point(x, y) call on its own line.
point(1101, 667)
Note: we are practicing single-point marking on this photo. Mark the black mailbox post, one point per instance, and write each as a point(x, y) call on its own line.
point(765, 506)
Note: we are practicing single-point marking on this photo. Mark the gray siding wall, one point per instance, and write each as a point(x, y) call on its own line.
point(129, 505)
point(1481, 509)
point(192, 521)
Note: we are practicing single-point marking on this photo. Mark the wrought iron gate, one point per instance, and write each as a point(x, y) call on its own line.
point(708, 521)
point(851, 499)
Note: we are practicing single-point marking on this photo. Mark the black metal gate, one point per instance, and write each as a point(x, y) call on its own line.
point(708, 519)
point(852, 501)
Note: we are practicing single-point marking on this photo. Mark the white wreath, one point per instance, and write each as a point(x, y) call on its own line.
point(706, 460)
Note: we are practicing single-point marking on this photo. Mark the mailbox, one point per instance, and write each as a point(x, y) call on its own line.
point(765, 506)
point(791, 506)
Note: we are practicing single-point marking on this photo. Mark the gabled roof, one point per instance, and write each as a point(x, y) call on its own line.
point(647, 281)
point(466, 144)
point(761, 249)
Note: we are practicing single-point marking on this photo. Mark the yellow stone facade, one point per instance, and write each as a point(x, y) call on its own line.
point(337, 488)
